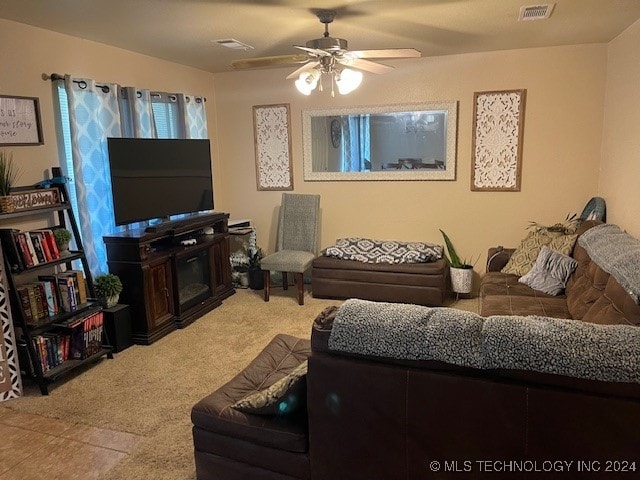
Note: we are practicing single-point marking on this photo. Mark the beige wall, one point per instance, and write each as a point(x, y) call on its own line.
point(562, 145)
point(28, 52)
point(620, 167)
point(562, 141)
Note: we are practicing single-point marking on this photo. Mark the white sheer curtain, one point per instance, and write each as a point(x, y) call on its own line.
point(92, 112)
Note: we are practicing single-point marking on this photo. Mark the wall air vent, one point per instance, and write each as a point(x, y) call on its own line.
point(233, 44)
point(535, 12)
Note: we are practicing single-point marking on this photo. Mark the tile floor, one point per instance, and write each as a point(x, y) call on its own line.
point(33, 447)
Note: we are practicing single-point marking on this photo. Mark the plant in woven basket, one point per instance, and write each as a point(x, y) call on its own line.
point(9, 173)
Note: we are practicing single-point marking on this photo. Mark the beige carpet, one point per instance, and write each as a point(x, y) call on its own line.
point(149, 390)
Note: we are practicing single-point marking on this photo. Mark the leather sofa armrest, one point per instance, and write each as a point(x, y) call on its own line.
point(498, 257)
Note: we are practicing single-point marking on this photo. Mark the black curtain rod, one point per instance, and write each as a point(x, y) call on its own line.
point(81, 83)
point(105, 88)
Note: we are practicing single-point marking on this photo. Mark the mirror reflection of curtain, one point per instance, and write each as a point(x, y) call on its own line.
point(356, 143)
point(321, 138)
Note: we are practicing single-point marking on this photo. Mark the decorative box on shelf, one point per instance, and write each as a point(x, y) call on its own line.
point(32, 199)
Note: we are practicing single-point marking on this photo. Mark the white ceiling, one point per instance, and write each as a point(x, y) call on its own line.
point(183, 30)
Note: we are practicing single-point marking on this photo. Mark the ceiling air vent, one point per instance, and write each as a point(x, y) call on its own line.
point(233, 43)
point(535, 12)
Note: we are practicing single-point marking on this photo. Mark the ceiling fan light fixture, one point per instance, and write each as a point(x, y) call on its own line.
point(307, 81)
point(348, 80)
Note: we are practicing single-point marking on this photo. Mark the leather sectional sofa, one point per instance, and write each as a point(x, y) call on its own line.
point(370, 416)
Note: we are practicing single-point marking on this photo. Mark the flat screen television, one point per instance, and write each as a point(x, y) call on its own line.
point(156, 178)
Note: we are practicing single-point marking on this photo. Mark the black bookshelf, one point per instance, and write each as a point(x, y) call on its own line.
point(57, 328)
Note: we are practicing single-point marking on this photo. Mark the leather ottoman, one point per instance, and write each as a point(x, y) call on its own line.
point(417, 283)
point(232, 445)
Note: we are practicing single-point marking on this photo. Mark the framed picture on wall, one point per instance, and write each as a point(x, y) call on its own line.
point(272, 139)
point(20, 122)
point(498, 127)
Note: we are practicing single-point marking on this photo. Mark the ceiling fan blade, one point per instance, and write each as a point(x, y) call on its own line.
point(314, 51)
point(304, 68)
point(386, 53)
point(266, 62)
point(366, 65)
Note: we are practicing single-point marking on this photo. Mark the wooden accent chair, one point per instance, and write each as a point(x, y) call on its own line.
point(297, 243)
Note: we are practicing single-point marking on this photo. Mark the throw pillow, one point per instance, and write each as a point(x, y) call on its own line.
point(527, 252)
point(563, 244)
point(550, 273)
point(283, 397)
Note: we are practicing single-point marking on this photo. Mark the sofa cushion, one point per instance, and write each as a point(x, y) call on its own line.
point(523, 259)
point(282, 398)
point(550, 273)
point(503, 294)
point(540, 304)
point(214, 413)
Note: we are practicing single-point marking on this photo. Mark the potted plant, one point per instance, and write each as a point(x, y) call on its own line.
point(461, 271)
point(63, 237)
point(256, 280)
point(9, 173)
point(108, 287)
point(242, 275)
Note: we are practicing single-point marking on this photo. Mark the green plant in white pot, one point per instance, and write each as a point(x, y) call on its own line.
point(63, 237)
point(461, 271)
point(108, 287)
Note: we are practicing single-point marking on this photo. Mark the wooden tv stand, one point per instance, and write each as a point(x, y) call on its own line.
point(156, 270)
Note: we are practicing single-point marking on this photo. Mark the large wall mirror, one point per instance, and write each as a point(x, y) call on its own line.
point(390, 142)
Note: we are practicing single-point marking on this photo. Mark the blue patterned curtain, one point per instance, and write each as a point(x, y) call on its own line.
point(356, 152)
point(195, 116)
point(89, 114)
point(94, 115)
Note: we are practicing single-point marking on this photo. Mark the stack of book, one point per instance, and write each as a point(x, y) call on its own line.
point(52, 294)
point(77, 340)
point(29, 248)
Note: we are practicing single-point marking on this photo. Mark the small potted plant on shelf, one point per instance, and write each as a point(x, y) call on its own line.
point(461, 271)
point(256, 280)
point(63, 237)
point(108, 287)
point(9, 173)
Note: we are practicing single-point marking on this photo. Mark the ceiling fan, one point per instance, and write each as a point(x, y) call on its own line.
point(328, 55)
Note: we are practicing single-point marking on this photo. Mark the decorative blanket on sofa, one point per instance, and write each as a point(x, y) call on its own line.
point(617, 253)
point(564, 347)
point(383, 251)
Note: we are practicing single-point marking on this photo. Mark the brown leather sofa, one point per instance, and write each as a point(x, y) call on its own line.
point(592, 295)
point(417, 283)
point(231, 445)
point(371, 417)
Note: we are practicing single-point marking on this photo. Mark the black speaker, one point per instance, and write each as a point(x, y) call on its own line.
point(117, 324)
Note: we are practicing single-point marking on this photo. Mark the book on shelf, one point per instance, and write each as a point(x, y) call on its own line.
point(86, 336)
point(67, 292)
point(51, 296)
point(37, 247)
point(52, 349)
point(24, 249)
point(79, 284)
point(10, 245)
point(29, 248)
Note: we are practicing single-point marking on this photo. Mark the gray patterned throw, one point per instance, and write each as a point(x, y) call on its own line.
point(383, 251)
point(617, 253)
point(548, 345)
